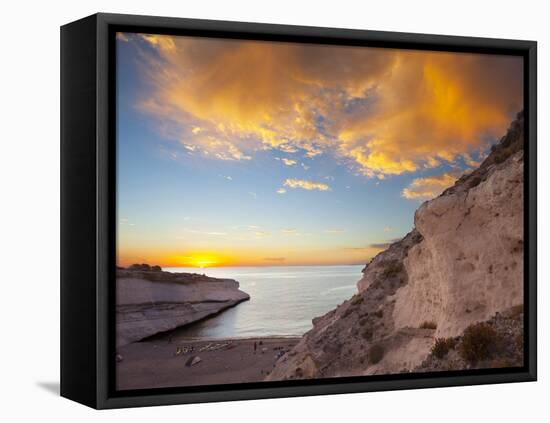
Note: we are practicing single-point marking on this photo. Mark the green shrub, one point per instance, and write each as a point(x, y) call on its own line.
point(357, 299)
point(478, 342)
point(428, 325)
point(367, 334)
point(442, 346)
point(376, 353)
point(392, 269)
point(502, 153)
point(475, 181)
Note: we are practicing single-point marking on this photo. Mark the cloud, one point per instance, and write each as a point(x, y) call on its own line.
point(429, 187)
point(281, 191)
point(274, 258)
point(261, 234)
point(334, 231)
point(289, 162)
point(470, 162)
point(388, 228)
point(162, 42)
point(307, 185)
point(291, 231)
point(224, 150)
point(121, 36)
point(377, 246)
point(124, 221)
point(287, 148)
point(382, 112)
point(383, 245)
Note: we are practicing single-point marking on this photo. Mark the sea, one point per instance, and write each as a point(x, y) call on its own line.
point(283, 300)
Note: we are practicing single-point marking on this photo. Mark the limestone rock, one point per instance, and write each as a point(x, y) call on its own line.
point(461, 264)
point(150, 302)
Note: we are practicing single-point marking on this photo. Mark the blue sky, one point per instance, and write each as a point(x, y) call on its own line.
point(221, 180)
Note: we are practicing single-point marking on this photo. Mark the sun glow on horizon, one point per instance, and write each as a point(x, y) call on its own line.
point(203, 260)
point(199, 260)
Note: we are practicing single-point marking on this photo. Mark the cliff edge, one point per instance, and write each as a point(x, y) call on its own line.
point(461, 265)
point(150, 301)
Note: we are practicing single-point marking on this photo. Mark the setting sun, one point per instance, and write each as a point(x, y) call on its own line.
point(198, 260)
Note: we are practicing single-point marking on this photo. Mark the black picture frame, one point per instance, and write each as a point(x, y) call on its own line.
point(88, 199)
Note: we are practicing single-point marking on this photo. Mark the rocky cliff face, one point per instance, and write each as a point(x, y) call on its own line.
point(150, 301)
point(461, 264)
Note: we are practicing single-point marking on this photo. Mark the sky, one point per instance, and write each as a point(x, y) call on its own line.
point(252, 153)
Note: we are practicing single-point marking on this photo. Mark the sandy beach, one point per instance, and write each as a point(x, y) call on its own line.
point(161, 363)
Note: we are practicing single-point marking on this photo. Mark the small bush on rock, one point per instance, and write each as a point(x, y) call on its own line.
point(442, 346)
point(376, 353)
point(428, 325)
point(367, 334)
point(393, 269)
point(358, 299)
point(478, 342)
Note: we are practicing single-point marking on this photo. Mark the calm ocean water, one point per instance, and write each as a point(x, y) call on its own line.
point(283, 300)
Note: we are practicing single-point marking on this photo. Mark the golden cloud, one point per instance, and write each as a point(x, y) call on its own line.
point(289, 162)
point(429, 187)
point(307, 185)
point(382, 111)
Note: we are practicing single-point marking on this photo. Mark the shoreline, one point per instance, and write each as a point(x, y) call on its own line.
point(164, 363)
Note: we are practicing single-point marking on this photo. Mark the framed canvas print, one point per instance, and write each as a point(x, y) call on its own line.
point(256, 211)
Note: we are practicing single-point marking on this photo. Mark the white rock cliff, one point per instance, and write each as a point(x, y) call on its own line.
point(461, 264)
point(149, 302)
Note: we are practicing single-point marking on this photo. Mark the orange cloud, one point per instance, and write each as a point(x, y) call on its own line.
point(429, 187)
point(434, 107)
point(382, 111)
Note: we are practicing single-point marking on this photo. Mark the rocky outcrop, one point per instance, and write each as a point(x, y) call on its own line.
point(495, 343)
point(150, 301)
point(461, 264)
